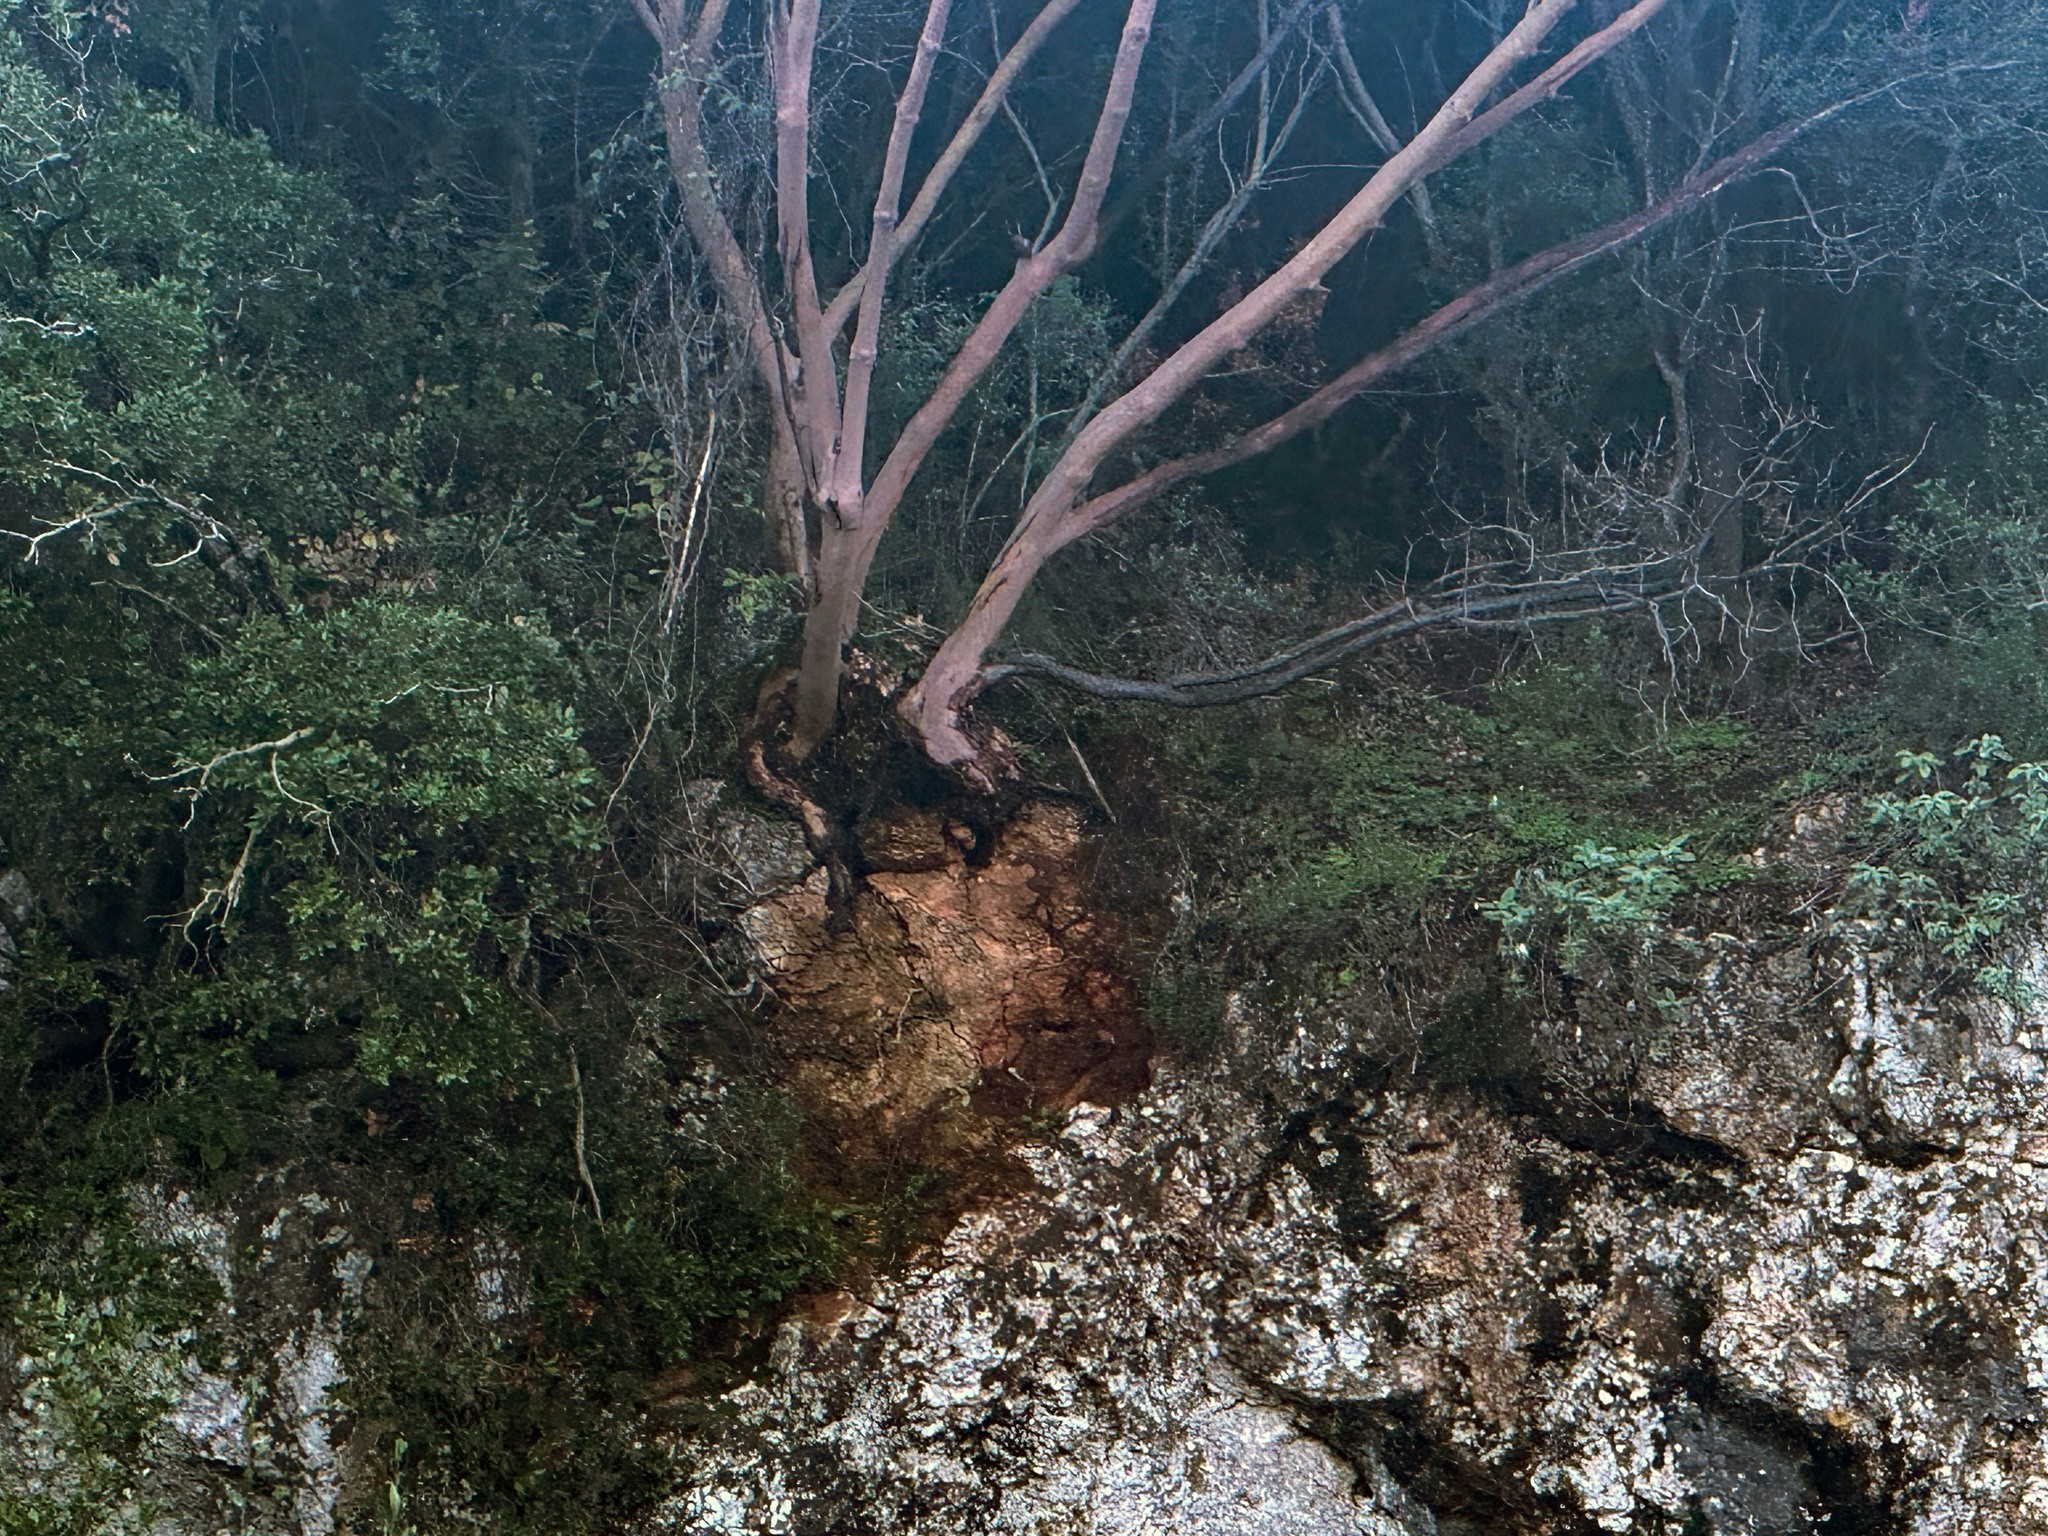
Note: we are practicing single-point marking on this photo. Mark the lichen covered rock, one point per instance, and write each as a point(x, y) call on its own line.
point(1794, 1283)
point(232, 1418)
point(1770, 1267)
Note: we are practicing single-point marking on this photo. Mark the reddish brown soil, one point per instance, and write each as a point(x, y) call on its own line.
point(970, 986)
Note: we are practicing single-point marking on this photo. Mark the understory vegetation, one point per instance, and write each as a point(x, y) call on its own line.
point(387, 596)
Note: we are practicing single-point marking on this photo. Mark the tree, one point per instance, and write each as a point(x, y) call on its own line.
point(830, 497)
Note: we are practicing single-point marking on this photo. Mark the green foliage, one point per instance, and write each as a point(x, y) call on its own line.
point(87, 1299)
point(94, 1386)
point(1337, 857)
point(1370, 820)
point(1185, 1001)
point(392, 793)
point(161, 260)
point(1960, 862)
point(307, 718)
point(1990, 673)
point(1964, 635)
point(765, 607)
point(1601, 900)
point(534, 1416)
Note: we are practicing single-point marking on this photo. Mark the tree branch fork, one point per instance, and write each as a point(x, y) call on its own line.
point(814, 358)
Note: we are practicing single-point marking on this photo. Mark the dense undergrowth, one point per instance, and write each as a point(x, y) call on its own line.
point(311, 720)
point(1543, 841)
point(1378, 824)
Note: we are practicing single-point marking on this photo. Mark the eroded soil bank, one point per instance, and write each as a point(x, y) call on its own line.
point(973, 973)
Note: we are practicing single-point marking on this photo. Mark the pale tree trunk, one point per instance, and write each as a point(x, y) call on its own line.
point(823, 522)
point(827, 515)
point(688, 41)
point(857, 520)
point(1048, 522)
point(782, 502)
point(1718, 447)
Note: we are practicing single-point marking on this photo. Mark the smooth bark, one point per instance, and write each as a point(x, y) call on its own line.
point(1509, 286)
point(847, 544)
point(933, 706)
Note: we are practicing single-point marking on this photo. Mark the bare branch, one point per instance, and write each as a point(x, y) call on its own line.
point(1269, 144)
point(843, 490)
point(1046, 525)
point(685, 66)
point(1511, 286)
point(793, 47)
point(710, 22)
point(54, 330)
point(1621, 543)
point(1554, 79)
point(844, 563)
point(582, 1161)
point(219, 902)
point(205, 770)
point(85, 522)
point(1396, 621)
point(1197, 133)
point(993, 95)
point(1358, 101)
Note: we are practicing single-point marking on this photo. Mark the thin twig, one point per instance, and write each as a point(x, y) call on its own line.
point(582, 1162)
point(1089, 774)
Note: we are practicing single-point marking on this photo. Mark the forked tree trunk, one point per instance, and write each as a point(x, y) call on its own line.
point(841, 573)
point(828, 516)
point(854, 515)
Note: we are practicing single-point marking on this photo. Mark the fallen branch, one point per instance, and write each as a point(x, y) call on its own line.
point(1200, 690)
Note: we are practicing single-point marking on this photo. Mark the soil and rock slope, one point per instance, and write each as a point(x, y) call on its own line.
point(1798, 1286)
point(1792, 1281)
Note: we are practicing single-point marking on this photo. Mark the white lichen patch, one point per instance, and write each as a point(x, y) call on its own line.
point(229, 1420)
point(1827, 1308)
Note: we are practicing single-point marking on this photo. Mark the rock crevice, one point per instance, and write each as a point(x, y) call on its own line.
point(1301, 1294)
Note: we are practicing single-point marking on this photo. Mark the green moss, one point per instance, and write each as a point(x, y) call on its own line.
point(1323, 826)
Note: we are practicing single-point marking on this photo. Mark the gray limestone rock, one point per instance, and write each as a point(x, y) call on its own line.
point(1800, 1287)
point(1792, 1282)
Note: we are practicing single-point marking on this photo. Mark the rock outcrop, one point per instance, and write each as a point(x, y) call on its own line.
point(232, 1419)
point(1796, 1284)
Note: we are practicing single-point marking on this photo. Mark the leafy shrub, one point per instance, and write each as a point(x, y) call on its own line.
point(389, 796)
point(1325, 837)
point(1961, 862)
point(96, 1380)
point(1601, 896)
point(1964, 633)
point(304, 786)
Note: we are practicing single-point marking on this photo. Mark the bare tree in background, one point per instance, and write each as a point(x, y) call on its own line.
point(831, 494)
